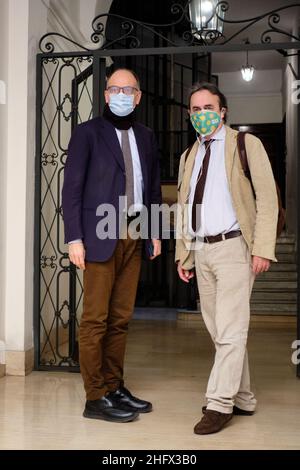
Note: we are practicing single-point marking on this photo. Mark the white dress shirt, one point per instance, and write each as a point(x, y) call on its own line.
point(217, 212)
point(137, 175)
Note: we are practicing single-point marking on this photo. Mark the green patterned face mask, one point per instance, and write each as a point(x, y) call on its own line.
point(205, 122)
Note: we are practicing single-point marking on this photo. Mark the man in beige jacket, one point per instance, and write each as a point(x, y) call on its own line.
point(229, 237)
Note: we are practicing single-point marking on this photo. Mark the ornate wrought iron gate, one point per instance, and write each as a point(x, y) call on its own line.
point(67, 94)
point(69, 91)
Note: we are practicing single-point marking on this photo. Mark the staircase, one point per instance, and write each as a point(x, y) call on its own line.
point(275, 291)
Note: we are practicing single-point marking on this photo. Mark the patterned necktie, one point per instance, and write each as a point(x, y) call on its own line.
point(200, 185)
point(128, 168)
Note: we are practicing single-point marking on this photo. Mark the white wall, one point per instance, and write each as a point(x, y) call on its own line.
point(16, 177)
point(24, 24)
point(88, 10)
point(3, 150)
point(255, 102)
point(73, 18)
point(36, 28)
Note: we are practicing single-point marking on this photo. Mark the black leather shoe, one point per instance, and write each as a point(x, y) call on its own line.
point(123, 397)
point(104, 408)
point(236, 411)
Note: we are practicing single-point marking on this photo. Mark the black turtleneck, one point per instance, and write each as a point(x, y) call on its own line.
point(120, 122)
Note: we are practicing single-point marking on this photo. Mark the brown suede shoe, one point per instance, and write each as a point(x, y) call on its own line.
point(236, 411)
point(212, 421)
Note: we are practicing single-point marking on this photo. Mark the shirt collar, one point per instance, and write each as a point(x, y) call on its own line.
point(219, 135)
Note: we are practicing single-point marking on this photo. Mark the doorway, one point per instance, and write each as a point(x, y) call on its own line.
point(69, 91)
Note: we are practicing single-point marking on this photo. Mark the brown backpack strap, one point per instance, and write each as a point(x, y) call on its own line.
point(243, 157)
point(188, 152)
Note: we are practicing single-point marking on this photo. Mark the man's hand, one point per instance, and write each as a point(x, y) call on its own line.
point(77, 254)
point(184, 275)
point(259, 265)
point(156, 248)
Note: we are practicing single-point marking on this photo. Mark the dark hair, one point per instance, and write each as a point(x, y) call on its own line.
point(214, 90)
point(127, 70)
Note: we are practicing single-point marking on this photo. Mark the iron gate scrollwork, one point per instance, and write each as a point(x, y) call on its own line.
point(64, 99)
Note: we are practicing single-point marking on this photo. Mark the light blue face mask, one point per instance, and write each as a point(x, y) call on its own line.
point(121, 104)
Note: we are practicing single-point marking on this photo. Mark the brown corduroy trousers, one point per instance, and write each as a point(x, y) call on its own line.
point(108, 302)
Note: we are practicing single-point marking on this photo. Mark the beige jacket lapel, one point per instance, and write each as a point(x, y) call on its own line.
point(187, 173)
point(230, 149)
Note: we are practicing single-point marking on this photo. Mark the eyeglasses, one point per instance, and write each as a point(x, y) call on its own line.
point(127, 90)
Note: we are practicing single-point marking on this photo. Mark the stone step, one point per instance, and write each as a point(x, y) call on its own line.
point(275, 292)
point(285, 248)
point(277, 275)
point(265, 284)
point(274, 296)
point(283, 267)
point(277, 307)
point(286, 239)
point(286, 257)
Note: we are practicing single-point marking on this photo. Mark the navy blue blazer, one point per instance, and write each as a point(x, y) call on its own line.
point(95, 174)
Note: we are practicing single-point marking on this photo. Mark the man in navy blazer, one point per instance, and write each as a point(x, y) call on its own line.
point(110, 158)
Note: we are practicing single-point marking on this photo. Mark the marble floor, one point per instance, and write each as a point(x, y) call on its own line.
point(168, 362)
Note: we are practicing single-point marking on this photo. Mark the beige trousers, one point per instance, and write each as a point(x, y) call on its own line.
point(225, 281)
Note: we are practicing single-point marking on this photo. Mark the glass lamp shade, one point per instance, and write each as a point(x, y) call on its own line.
point(247, 72)
point(204, 19)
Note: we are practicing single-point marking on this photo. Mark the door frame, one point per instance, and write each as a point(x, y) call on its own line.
point(99, 84)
